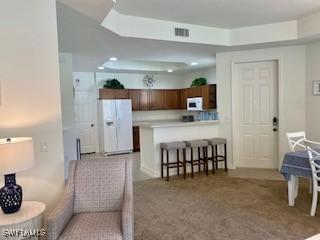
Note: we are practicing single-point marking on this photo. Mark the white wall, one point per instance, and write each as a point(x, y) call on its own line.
point(30, 104)
point(291, 89)
point(208, 73)
point(312, 101)
point(68, 110)
point(66, 86)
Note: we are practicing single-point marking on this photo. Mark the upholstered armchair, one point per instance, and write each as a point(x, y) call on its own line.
point(97, 202)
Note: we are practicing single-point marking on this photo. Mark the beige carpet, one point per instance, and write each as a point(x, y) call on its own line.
point(221, 207)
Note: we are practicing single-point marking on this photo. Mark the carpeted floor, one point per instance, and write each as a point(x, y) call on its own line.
point(221, 207)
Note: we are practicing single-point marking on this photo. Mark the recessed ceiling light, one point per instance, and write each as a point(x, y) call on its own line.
point(100, 68)
point(194, 63)
point(115, 1)
point(170, 70)
point(113, 59)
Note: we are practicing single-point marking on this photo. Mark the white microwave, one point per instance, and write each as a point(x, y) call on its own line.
point(195, 104)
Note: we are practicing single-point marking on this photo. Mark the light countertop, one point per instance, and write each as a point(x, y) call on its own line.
point(172, 123)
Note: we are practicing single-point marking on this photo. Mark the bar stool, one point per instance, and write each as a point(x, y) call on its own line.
point(200, 145)
point(215, 158)
point(177, 164)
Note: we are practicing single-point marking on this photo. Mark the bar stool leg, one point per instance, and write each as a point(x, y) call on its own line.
point(199, 157)
point(192, 162)
point(184, 163)
point(161, 162)
point(178, 162)
point(167, 165)
point(225, 158)
point(205, 158)
point(212, 154)
point(216, 156)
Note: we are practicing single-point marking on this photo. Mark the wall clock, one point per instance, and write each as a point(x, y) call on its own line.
point(149, 80)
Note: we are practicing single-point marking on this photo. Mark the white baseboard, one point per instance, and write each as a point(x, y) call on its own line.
point(149, 171)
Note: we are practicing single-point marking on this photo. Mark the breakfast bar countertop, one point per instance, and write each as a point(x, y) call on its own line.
point(171, 123)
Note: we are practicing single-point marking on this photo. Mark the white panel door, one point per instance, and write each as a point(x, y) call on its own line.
point(124, 125)
point(85, 120)
point(256, 107)
point(110, 126)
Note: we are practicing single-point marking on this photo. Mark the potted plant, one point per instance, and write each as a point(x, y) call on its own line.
point(113, 84)
point(199, 82)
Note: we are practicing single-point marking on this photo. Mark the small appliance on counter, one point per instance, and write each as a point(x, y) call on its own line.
point(188, 118)
point(195, 104)
point(208, 115)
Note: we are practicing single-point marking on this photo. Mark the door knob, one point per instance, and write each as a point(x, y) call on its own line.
point(92, 125)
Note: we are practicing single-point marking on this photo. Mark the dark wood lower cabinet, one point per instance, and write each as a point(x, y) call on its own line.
point(136, 139)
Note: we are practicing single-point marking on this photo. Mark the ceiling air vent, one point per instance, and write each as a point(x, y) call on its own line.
point(181, 32)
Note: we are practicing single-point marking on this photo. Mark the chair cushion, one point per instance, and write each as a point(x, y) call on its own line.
point(173, 145)
point(197, 143)
point(99, 185)
point(217, 141)
point(93, 226)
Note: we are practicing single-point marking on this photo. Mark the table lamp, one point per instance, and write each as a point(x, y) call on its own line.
point(16, 155)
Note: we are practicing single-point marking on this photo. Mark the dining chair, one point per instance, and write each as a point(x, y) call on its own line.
point(298, 142)
point(314, 158)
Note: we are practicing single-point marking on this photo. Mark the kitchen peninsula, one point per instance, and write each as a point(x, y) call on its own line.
point(153, 133)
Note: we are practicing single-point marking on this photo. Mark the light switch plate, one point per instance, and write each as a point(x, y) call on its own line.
point(43, 147)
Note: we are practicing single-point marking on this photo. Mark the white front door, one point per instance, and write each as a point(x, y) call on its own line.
point(84, 109)
point(255, 109)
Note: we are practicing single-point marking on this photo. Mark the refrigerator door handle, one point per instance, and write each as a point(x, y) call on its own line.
point(109, 123)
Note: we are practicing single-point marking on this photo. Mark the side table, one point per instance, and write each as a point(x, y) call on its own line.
point(25, 222)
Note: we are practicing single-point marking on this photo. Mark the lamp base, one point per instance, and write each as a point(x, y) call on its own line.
point(10, 195)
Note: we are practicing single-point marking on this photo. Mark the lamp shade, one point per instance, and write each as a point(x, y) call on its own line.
point(16, 155)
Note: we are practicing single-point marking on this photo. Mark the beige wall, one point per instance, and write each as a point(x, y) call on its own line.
point(135, 80)
point(292, 76)
point(29, 75)
point(312, 101)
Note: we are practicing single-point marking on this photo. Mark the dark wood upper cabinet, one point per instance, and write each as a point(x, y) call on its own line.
point(183, 98)
point(144, 100)
point(194, 92)
point(159, 99)
point(122, 93)
point(106, 93)
point(134, 95)
point(156, 99)
point(209, 96)
point(172, 99)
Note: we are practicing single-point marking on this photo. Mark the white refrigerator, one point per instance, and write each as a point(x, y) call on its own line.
point(115, 126)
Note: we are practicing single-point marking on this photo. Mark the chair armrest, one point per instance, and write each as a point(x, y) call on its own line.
point(127, 217)
point(127, 207)
point(61, 215)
